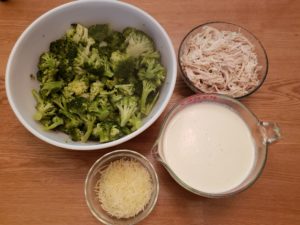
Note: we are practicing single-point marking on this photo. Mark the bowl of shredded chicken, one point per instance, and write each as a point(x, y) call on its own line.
point(223, 58)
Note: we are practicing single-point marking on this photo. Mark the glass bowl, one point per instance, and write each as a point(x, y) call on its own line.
point(224, 26)
point(262, 133)
point(93, 176)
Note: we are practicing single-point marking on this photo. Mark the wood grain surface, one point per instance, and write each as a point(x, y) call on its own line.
point(42, 184)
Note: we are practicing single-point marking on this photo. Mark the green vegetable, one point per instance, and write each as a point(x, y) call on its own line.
point(97, 83)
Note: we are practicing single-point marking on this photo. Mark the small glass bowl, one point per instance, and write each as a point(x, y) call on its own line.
point(224, 26)
point(94, 175)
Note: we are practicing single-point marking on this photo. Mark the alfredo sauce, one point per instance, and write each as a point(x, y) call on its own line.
point(209, 147)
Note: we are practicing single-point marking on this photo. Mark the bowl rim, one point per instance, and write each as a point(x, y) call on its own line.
point(124, 153)
point(96, 146)
point(197, 90)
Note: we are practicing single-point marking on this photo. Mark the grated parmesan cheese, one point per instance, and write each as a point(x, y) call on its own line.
point(124, 189)
point(221, 62)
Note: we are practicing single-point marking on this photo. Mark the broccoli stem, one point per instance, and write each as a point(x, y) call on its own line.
point(89, 125)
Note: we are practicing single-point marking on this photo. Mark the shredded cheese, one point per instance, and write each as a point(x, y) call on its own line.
point(124, 189)
point(222, 62)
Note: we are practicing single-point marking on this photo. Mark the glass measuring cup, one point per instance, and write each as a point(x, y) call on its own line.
point(263, 134)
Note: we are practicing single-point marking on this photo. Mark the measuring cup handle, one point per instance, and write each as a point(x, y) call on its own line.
point(154, 150)
point(271, 131)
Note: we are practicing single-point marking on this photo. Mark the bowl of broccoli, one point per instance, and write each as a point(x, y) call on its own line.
point(91, 74)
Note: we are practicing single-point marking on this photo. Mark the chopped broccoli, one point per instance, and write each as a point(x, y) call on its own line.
point(76, 134)
point(106, 132)
point(97, 83)
point(152, 70)
point(89, 121)
point(135, 121)
point(115, 41)
point(123, 65)
point(115, 97)
point(148, 87)
point(76, 87)
point(78, 33)
point(125, 89)
point(48, 67)
point(100, 112)
point(56, 121)
point(138, 42)
point(51, 86)
point(99, 31)
point(72, 120)
point(78, 105)
point(64, 49)
point(127, 107)
point(43, 108)
point(95, 89)
point(102, 132)
point(150, 104)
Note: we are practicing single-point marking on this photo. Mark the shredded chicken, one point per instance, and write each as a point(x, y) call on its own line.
point(221, 62)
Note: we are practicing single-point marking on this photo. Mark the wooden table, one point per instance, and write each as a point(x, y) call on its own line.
point(42, 184)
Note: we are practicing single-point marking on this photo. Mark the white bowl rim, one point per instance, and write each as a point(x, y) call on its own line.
point(94, 146)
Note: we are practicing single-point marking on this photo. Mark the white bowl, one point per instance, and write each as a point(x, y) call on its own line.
point(36, 38)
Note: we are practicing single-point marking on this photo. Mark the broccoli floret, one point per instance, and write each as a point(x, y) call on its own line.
point(79, 63)
point(135, 122)
point(71, 120)
point(100, 112)
point(126, 89)
point(110, 83)
point(123, 65)
point(98, 89)
point(101, 131)
point(77, 33)
point(106, 132)
point(125, 130)
point(65, 70)
point(75, 133)
point(151, 55)
point(152, 70)
point(51, 86)
point(56, 121)
point(115, 97)
point(151, 101)
point(138, 42)
point(106, 39)
point(43, 108)
point(115, 41)
point(76, 87)
point(127, 106)
point(148, 87)
point(114, 132)
point(107, 71)
point(95, 89)
point(64, 48)
point(99, 31)
point(89, 121)
point(91, 62)
point(78, 105)
point(48, 67)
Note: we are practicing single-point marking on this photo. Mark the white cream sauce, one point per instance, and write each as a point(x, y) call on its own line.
point(209, 147)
